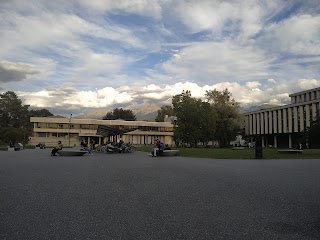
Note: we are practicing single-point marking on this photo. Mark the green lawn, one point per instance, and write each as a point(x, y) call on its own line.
point(247, 153)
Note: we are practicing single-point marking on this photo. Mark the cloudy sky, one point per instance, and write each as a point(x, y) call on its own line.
point(77, 55)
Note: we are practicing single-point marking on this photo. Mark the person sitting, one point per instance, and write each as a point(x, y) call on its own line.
point(56, 149)
point(87, 148)
point(159, 147)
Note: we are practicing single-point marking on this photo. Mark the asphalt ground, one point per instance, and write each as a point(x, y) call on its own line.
point(134, 196)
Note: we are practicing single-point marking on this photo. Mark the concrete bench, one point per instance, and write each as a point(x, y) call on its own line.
point(72, 152)
point(290, 151)
point(168, 153)
point(14, 149)
point(237, 148)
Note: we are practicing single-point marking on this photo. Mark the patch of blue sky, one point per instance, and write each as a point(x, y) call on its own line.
point(151, 60)
point(130, 20)
point(199, 36)
point(290, 9)
point(104, 45)
point(51, 53)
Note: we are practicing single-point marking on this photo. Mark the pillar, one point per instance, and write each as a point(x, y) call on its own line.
point(295, 120)
point(275, 129)
point(262, 123)
point(275, 141)
point(254, 123)
point(314, 111)
point(258, 123)
point(270, 122)
point(250, 124)
point(266, 123)
point(301, 118)
point(290, 141)
point(262, 141)
point(284, 120)
point(307, 115)
point(289, 120)
point(280, 121)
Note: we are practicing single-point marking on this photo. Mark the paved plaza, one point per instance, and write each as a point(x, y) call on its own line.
point(134, 196)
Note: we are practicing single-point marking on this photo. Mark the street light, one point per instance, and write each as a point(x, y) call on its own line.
point(69, 128)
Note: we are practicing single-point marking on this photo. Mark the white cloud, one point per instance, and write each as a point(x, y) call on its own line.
point(270, 80)
point(295, 35)
point(209, 62)
point(253, 85)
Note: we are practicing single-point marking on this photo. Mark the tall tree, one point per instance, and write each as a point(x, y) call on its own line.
point(228, 124)
point(13, 115)
point(195, 119)
point(119, 113)
point(163, 111)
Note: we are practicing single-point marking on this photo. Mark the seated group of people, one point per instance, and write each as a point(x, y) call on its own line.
point(86, 147)
point(159, 148)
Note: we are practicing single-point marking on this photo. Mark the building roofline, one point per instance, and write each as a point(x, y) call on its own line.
point(306, 91)
point(282, 107)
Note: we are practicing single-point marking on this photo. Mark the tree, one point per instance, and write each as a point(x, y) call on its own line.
point(13, 135)
point(13, 115)
point(311, 135)
point(195, 119)
point(119, 113)
point(40, 113)
point(228, 124)
point(164, 110)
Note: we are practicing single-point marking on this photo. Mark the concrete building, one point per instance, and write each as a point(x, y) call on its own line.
point(281, 126)
point(72, 131)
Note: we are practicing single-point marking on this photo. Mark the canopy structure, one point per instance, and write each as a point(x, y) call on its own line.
point(107, 131)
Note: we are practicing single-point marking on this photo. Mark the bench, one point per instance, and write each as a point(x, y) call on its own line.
point(72, 152)
point(168, 153)
point(237, 148)
point(13, 148)
point(290, 151)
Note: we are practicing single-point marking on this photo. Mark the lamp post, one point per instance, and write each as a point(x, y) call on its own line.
point(69, 128)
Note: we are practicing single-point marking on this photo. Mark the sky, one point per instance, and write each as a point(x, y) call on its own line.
point(77, 55)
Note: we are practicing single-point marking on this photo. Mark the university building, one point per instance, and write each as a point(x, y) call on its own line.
point(72, 131)
point(281, 126)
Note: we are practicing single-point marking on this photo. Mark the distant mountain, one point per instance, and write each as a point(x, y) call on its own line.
point(95, 114)
point(259, 107)
point(148, 113)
